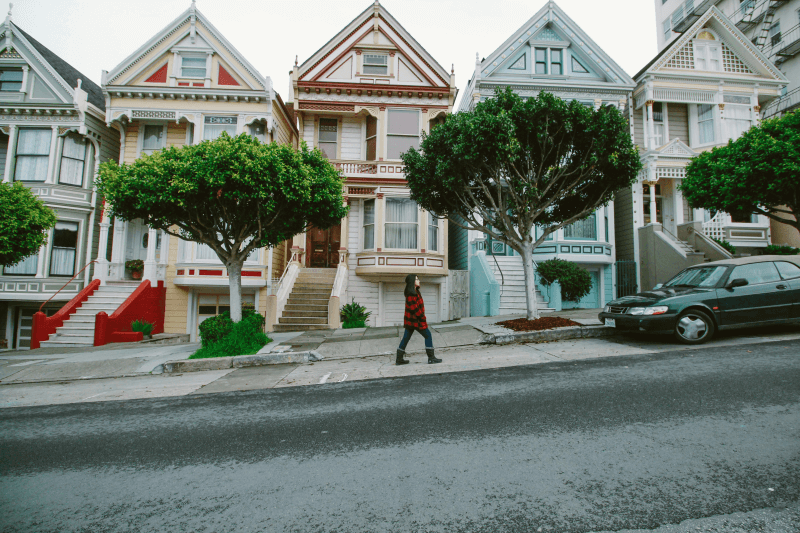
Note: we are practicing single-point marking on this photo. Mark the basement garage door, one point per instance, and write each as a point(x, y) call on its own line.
point(394, 303)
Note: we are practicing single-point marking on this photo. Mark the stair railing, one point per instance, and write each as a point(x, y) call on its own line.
point(67, 283)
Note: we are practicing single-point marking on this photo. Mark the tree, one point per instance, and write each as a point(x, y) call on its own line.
point(515, 164)
point(234, 194)
point(24, 223)
point(754, 174)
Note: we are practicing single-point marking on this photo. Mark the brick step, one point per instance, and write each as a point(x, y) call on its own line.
point(303, 320)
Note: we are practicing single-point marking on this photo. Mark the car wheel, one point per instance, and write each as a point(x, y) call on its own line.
point(694, 327)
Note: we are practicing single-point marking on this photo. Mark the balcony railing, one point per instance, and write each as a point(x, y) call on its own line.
point(790, 42)
point(785, 103)
point(355, 167)
point(369, 169)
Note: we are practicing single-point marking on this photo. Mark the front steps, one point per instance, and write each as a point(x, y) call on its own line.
point(78, 329)
point(512, 288)
point(307, 306)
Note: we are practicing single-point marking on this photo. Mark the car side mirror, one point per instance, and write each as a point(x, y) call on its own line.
point(658, 286)
point(738, 282)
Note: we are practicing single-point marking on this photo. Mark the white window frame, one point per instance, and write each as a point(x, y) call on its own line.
point(775, 31)
point(389, 135)
point(433, 225)
point(212, 117)
point(140, 144)
point(21, 81)
point(83, 161)
point(709, 52)
point(46, 156)
point(78, 248)
point(365, 65)
point(203, 57)
point(252, 126)
point(386, 224)
point(338, 141)
point(373, 226)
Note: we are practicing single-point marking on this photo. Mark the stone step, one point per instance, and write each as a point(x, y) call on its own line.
point(315, 302)
point(299, 327)
point(303, 320)
point(110, 300)
point(313, 286)
point(82, 332)
point(64, 344)
point(73, 339)
point(306, 307)
point(315, 314)
point(80, 319)
point(92, 312)
point(97, 307)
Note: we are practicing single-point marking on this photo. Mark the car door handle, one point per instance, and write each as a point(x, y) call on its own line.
point(781, 287)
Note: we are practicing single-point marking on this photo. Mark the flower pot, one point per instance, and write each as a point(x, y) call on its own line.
point(136, 274)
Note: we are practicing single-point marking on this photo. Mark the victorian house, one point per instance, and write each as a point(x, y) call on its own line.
point(706, 87)
point(363, 99)
point(53, 136)
point(550, 53)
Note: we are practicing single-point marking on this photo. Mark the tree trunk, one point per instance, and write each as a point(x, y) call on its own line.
point(530, 281)
point(235, 283)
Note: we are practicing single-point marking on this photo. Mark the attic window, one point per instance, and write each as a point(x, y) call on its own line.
point(10, 80)
point(577, 67)
point(193, 67)
point(376, 64)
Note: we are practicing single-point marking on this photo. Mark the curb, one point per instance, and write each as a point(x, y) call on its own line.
point(240, 361)
point(548, 335)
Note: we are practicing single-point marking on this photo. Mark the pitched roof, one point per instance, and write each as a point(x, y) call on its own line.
point(67, 71)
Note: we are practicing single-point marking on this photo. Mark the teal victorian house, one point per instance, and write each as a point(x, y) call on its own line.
point(548, 53)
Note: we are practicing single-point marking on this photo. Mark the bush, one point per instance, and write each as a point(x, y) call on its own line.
point(354, 313)
point(224, 338)
point(145, 327)
point(725, 244)
point(354, 324)
point(214, 329)
point(781, 249)
point(575, 281)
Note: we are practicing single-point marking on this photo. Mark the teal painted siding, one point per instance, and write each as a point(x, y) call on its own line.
point(484, 290)
point(609, 283)
point(457, 247)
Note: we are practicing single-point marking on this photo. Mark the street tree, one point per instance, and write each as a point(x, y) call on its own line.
point(754, 174)
point(24, 223)
point(233, 194)
point(513, 165)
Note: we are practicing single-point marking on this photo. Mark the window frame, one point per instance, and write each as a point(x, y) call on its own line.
point(775, 37)
point(731, 277)
point(536, 61)
point(32, 274)
point(2, 82)
point(46, 156)
point(585, 223)
point(364, 225)
point(334, 143)
point(208, 120)
point(711, 120)
point(143, 129)
point(83, 161)
point(387, 223)
point(433, 226)
point(53, 247)
point(368, 138)
point(204, 58)
point(390, 135)
point(365, 65)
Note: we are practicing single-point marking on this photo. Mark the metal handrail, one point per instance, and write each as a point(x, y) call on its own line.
point(685, 245)
point(285, 270)
point(67, 283)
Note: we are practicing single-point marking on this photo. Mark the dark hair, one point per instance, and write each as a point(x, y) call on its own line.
point(411, 285)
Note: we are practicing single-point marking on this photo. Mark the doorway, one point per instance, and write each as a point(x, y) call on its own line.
point(323, 247)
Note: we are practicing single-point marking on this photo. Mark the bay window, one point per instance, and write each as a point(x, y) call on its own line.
point(65, 247)
point(402, 131)
point(214, 126)
point(73, 157)
point(585, 229)
point(26, 267)
point(737, 120)
point(658, 124)
point(705, 123)
point(329, 137)
point(153, 138)
point(33, 154)
point(433, 233)
point(371, 147)
point(369, 224)
point(401, 224)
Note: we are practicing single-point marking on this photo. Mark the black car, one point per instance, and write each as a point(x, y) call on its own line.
point(702, 299)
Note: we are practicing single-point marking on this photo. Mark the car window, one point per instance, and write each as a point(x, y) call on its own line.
point(698, 277)
point(756, 273)
point(788, 270)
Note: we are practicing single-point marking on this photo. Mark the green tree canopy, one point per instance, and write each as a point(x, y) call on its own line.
point(24, 223)
point(758, 173)
point(234, 194)
point(514, 164)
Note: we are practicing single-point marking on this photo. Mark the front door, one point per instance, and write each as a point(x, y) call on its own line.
point(323, 247)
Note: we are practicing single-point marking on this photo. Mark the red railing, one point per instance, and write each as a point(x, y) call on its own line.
point(146, 303)
point(44, 326)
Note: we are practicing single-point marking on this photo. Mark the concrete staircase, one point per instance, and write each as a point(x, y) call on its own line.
point(512, 288)
point(78, 329)
point(307, 306)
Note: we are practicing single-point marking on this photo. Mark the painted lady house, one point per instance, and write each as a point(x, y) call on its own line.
point(551, 53)
point(53, 136)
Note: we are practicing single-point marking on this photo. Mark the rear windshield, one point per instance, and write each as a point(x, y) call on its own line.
point(698, 277)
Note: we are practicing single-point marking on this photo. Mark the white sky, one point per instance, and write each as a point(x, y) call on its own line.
point(95, 35)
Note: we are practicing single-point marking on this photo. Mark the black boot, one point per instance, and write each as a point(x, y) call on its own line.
point(400, 360)
point(431, 358)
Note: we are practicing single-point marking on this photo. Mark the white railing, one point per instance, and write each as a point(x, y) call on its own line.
point(355, 167)
point(715, 228)
point(286, 283)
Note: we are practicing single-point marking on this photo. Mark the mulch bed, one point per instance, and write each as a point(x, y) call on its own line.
point(540, 324)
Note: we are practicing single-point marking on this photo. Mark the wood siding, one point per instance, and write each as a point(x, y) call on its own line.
point(638, 128)
point(365, 292)
point(131, 142)
point(678, 120)
point(177, 304)
point(623, 224)
point(176, 134)
point(351, 138)
point(308, 131)
point(279, 259)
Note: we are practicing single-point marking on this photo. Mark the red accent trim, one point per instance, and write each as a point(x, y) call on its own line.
point(379, 250)
point(159, 76)
point(415, 50)
point(420, 262)
point(312, 67)
point(43, 326)
point(407, 57)
point(224, 78)
point(353, 85)
point(252, 273)
point(145, 303)
point(209, 273)
point(197, 84)
point(381, 260)
point(191, 272)
point(346, 51)
point(351, 107)
point(181, 272)
point(183, 84)
point(423, 250)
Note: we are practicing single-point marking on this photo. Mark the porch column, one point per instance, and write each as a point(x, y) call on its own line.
point(649, 131)
point(344, 235)
point(653, 209)
point(678, 196)
point(118, 246)
point(101, 272)
point(150, 262)
point(163, 257)
point(380, 209)
point(12, 149)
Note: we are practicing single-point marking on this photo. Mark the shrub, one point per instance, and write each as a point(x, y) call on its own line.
point(354, 324)
point(354, 313)
point(223, 338)
point(781, 249)
point(725, 244)
point(214, 329)
point(141, 325)
point(575, 281)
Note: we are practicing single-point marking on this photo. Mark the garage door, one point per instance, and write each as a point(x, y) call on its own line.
point(394, 303)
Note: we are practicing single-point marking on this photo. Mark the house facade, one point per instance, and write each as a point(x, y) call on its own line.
point(187, 84)
point(53, 136)
point(705, 88)
point(550, 53)
point(363, 99)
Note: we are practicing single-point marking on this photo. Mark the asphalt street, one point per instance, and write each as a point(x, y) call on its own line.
point(707, 438)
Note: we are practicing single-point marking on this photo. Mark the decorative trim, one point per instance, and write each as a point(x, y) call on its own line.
point(145, 114)
point(326, 107)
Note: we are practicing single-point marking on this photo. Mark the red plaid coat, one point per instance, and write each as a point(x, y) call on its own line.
point(415, 313)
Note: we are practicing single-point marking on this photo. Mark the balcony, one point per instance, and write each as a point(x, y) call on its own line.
point(790, 43)
point(376, 264)
point(369, 170)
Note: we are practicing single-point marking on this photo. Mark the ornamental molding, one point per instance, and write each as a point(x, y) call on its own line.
point(575, 94)
point(368, 101)
point(374, 111)
point(151, 114)
point(433, 113)
point(326, 107)
point(155, 45)
point(39, 119)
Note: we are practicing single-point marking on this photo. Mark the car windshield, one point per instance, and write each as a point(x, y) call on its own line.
point(698, 277)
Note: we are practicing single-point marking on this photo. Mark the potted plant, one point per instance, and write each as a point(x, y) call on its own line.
point(136, 266)
point(145, 327)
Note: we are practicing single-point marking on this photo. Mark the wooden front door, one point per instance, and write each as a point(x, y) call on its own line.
point(323, 247)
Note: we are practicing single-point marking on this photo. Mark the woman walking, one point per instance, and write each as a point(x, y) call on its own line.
point(415, 320)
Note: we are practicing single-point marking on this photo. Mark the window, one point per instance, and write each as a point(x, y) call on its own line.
point(667, 29)
point(402, 132)
point(556, 66)
point(658, 124)
point(541, 60)
point(585, 229)
point(540, 232)
point(746, 6)
point(26, 267)
point(756, 273)
point(705, 123)
point(372, 138)
point(577, 67)
point(10, 80)
point(204, 252)
point(33, 154)
point(259, 131)
point(73, 156)
point(433, 233)
point(214, 126)
point(328, 136)
point(677, 16)
point(369, 224)
point(788, 270)
point(401, 224)
point(193, 67)
point(744, 218)
point(707, 54)
point(698, 277)
point(737, 120)
point(154, 138)
point(775, 33)
point(65, 245)
point(376, 64)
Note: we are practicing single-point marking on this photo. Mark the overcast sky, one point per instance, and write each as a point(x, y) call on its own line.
point(95, 35)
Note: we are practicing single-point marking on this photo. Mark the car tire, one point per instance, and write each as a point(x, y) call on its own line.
point(694, 327)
